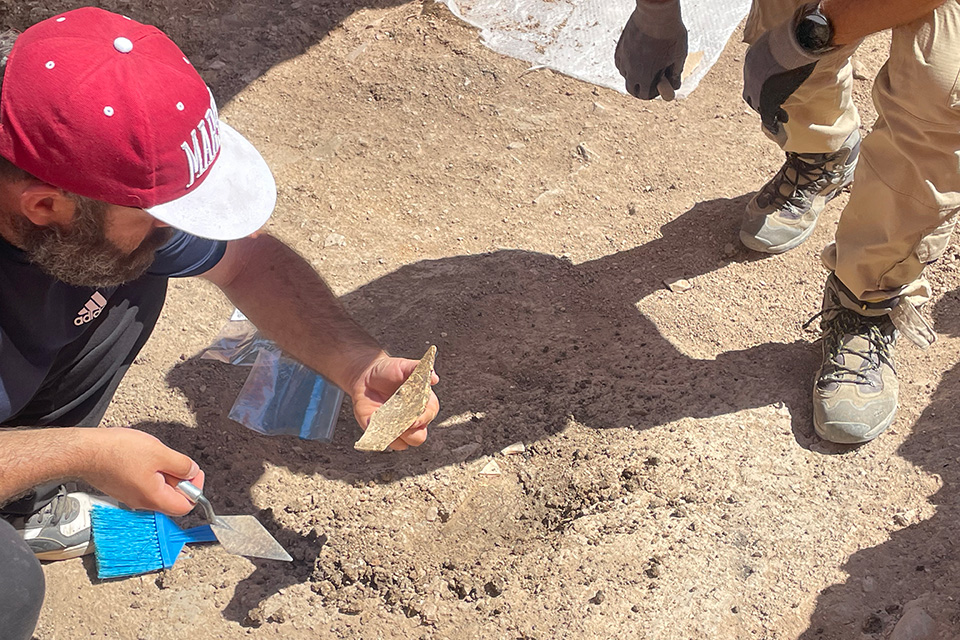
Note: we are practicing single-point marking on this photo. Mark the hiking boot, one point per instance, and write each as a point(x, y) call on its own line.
point(785, 211)
point(855, 396)
point(61, 529)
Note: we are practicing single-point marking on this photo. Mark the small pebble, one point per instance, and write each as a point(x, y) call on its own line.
point(915, 624)
point(678, 285)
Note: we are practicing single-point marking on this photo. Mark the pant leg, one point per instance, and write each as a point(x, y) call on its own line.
point(32, 501)
point(821, 112)
point(906, 193)
point(21, 586)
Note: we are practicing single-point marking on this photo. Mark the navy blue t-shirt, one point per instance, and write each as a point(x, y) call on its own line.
point(47, 327)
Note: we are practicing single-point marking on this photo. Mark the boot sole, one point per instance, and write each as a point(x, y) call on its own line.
point(839, 435)
point(75, 551)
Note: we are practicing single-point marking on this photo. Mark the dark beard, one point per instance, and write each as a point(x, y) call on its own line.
point(82, 255)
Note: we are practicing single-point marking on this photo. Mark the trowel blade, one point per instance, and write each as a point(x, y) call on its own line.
point(245, 536)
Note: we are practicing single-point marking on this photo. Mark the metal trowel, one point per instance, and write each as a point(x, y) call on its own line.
point(239, 535)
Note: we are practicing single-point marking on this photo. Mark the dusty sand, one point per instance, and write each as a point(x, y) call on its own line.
point(525, 223)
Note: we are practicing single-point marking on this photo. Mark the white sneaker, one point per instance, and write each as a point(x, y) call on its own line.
point(61, 529)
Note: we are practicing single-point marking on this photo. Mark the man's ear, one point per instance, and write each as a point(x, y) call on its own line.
point(45, 205)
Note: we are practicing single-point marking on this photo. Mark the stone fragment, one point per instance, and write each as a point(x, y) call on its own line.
point(491, 469)
point(514, 449)
point(334, 240)
point(462, 453)
point(352, 607)
point(678, 285)
point(914, 624)
point(905, 518)
point(429, 613)
point(401, 409)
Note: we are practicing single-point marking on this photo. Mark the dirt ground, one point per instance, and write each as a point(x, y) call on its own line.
point(525, 223)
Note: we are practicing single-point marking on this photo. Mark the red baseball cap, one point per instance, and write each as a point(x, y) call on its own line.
point(105, 107)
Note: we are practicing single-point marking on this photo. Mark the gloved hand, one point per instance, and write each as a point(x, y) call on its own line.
point(775, 66)
point(653, 46)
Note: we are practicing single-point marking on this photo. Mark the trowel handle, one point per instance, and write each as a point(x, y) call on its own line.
point(195, 495)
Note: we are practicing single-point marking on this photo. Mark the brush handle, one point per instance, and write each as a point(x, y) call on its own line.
point(195, 495)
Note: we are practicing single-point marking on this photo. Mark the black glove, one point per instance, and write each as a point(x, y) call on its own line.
point(652, 47)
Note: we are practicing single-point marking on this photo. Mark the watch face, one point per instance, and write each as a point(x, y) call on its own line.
point(814, 32)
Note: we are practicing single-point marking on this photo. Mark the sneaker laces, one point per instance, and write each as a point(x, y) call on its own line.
point(54, 512)
point(842, 322)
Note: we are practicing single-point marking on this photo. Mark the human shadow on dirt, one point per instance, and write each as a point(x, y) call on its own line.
point(920, 563)
point(527, 342)
point(230, 42)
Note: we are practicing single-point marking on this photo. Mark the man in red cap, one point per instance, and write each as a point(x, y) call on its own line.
point(115, 175)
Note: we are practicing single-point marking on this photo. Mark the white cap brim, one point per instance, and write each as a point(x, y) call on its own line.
point(235, 199)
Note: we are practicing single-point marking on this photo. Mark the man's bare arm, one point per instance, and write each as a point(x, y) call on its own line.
point(292, 305)
point(855, 19)
point(31, 457)
point(289, 302)
point(129, 465)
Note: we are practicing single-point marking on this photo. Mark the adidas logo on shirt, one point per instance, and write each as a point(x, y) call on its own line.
point(91, 310)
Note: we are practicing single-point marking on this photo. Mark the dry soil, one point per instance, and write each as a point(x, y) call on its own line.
point(526, 223)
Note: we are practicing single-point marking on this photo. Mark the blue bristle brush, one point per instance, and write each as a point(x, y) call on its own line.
point(128, 543)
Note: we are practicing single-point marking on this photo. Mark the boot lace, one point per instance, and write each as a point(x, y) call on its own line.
point(838, 322)
point(801, 173)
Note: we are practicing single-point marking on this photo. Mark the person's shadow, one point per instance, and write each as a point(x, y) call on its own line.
point(231, 43)
point(527, 343)
point(920, 563)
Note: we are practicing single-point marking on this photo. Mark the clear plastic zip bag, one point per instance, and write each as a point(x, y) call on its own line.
point(238, 342)
point(280, 396)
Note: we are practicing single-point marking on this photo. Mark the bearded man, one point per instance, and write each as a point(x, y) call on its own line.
point(116, 175)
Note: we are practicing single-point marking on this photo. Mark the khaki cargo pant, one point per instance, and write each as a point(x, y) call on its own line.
point(907, 184)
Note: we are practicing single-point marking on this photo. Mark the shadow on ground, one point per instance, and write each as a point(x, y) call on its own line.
point(231, 42)
point(527, 342)
point(921, 562)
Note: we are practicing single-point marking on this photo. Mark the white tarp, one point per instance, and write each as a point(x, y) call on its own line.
point(578, 37)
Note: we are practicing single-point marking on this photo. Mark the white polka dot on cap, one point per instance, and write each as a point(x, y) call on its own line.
point(50, 64)
point(108, 111)
point(123, 45)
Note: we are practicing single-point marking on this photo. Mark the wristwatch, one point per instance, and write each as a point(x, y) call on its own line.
point(813, 30)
